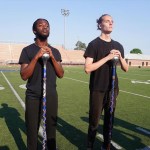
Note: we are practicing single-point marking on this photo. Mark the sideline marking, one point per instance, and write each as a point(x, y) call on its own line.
point(19, 99)
point(119, 90)
point(14, 91)
point(113, 143)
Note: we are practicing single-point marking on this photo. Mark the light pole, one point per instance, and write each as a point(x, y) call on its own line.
point(65, 13)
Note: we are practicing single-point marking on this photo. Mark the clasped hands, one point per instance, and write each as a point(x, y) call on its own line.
point(43, 50)
point(114, 53)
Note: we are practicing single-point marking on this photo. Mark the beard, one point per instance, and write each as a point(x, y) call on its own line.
point(42, 37)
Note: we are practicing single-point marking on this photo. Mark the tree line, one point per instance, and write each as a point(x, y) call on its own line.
point(82, 46)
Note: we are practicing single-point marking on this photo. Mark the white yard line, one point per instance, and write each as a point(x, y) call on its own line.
point(14, 91)
point(112, 142)
point(76, 80)
point(135, 94)
point(119, 90)
point(143, 130)
point(19, 99)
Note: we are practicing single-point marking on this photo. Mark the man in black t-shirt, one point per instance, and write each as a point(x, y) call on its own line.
point(98, 62)
point(31, 70)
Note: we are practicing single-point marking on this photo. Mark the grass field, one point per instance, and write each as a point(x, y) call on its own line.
point(132, 112)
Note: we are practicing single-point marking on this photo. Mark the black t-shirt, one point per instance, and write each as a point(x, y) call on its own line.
point(100, 79)
point(35, 82)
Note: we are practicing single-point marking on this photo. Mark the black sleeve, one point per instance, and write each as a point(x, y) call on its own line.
point(90, 51)
point(56, 54)
point(121, 51)
point(24, 59)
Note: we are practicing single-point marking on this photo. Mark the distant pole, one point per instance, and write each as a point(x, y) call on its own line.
point(65, 13)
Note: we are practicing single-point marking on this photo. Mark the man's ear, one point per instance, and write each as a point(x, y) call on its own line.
point(99, 26)
point(34, 32)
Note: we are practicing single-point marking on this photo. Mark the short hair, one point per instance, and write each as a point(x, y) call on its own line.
point(99, 21)
point(34, 27)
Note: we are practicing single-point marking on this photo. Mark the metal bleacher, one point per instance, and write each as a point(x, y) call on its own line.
point(10, 53)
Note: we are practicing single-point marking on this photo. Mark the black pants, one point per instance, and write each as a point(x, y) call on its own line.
point(33, 115)
point(98, 102)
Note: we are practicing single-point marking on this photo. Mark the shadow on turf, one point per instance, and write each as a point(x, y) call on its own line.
point(4, 148)
point(74, 135)
point(125, 139)
point(14, 124)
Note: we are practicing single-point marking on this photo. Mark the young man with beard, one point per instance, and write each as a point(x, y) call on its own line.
point(31, 70)
point(98, 62)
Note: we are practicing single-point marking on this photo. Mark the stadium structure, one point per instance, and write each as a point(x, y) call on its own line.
point(10, 53)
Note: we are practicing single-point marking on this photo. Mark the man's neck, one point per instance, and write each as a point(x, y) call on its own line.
point(105, 37)
point(40, 43)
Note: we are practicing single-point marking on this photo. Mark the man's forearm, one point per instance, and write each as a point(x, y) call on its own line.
point(58, 68)
point(94, 66)
point(27, 70)
point(124, 65)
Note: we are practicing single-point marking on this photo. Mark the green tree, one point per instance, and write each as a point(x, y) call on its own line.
point(80, 46)
point(136, 51)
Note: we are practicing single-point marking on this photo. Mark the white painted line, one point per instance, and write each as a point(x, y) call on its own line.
point(119, 90)
point(143, 82)
point(143, 130)
point(23, 86)
point(76, 80)
point(113, 143)
point(19, 99)
point(135, 94)
point(2, 88)
point(14, 91)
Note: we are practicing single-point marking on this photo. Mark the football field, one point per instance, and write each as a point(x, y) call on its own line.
point(132, 118)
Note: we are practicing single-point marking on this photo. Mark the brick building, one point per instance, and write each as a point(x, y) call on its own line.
point(138, 60)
